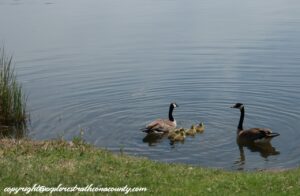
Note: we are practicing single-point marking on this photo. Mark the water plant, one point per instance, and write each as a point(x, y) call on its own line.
point(12, 97)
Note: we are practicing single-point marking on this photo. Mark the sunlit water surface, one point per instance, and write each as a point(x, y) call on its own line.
point(111, 66)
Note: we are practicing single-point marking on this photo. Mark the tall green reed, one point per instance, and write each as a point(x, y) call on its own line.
point(12, 98)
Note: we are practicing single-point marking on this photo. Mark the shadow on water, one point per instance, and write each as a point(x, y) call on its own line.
point(153, 138)
point(16, 132)
point(265, 150)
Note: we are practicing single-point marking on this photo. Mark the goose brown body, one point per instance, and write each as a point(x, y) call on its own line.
point(163, 125)
point(257, 135)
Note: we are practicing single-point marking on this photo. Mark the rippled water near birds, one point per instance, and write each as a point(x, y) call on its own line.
point(110, 67)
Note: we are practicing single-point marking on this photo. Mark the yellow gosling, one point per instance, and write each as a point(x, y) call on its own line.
point(179, 137)
point(200, 128)
point(192, 131)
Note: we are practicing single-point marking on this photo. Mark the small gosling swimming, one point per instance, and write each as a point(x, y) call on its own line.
point(173, 133)
point(192, 131)
point(178, 135)
point(200, 128)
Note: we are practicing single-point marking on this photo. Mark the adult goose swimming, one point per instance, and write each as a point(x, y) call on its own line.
point(163, 125)
point(257, 135)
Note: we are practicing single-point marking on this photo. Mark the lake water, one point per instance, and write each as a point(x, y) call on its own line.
point(111, 66)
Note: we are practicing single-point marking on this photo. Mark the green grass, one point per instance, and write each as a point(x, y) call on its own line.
point(50, 163)
point(12, 98)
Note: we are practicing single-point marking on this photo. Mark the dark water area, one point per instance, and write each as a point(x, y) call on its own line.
point(109, 67)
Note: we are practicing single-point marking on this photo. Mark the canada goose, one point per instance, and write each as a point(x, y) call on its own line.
point(163, 125)
point(178, 136)
point(200, 128)
point(192, 131)
point(254, 134)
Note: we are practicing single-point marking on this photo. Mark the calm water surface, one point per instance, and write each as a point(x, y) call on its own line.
point(111, 66)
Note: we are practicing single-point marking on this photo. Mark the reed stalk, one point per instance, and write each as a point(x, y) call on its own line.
point(12, 98)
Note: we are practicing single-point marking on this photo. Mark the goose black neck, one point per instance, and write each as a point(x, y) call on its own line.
point(240, 126)
point(171, 113)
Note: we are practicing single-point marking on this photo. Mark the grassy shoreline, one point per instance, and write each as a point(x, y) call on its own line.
point(24, 163)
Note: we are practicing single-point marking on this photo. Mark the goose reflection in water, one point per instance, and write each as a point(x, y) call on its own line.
point(265, 150)
point(153, 138)
point(175, 136)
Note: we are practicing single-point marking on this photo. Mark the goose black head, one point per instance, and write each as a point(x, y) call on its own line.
point(174, 105)
point(238, 106)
